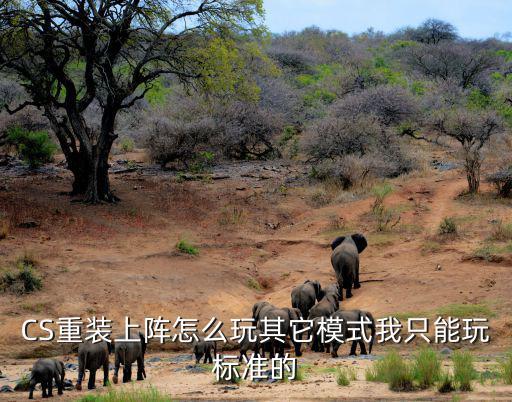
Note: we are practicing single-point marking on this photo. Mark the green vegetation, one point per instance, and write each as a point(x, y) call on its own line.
point(253, 284)
point(386, 217)
point(445, 383)
point(502, 231)
point(127, 395)
point(491, 252)
point(506, 369)
point(344, 375)
point(34, 147)
point(479, 310)
point(426, 368)
point(21, 279)
point(183, 246)
point(447, 226)
point(127, 144)
point(463, 370)
point(394, 370)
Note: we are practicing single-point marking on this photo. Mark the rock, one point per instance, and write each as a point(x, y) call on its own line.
point(71, 366)
point(439, 267)
point(22, 384)
point(154, 359)
point(229, 388)
point(28, 224)
point(68, 384)
point(5, 389)
point(446, 351)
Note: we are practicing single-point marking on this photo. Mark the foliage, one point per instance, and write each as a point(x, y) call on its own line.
point(463, 370)
point(22, 279)
point(384, 216)
point(426, 367)
point(445, 383)
point(394, 370)
point(502, 231)
point(34, 147)
point(127, 144)
point(127, 395)
point(183, 246)
point(447, 226)
point(344, 375)
point(506, 369)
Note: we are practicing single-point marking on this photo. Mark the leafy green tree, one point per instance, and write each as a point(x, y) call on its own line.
point(74, 56)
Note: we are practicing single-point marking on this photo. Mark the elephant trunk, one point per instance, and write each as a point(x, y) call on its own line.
point(373, 331)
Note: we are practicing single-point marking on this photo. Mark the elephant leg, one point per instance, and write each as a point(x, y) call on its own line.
point(334, 350)
point(31, 389)
point(44, 386)
point(116, 369)
point(92, 379)
point(357, 284)
point(105, 373)
point(50, 387)
point(127, 372)
point(140, 368)
point(328, 347)
point(59, 383)
point(81, 374)
point(363, 347)
point(353, 348)
point(349, 288)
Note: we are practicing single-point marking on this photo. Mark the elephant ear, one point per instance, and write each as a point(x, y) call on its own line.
point(336, 242)
point(360, 242)
point(318, 290)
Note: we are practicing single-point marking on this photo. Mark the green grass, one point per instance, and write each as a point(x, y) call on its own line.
point(466, 311)
point(502, 231)
point(394, 370)
point(463, 370)
point(184, 246)
point(127, 144)
point(506, 369)
point(426, 367)
point(23, 278)
point(445, 383)
point(447, 226)
point(253, 284)
point(490, 250)
point(430, 246)
point(344, 375)
point(133, 395)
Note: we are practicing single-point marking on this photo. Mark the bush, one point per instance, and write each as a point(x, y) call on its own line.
point(502, 231)
point(34, 147)
point(134, 395)
point(463, 370)
point(447, 226)
point(22, 279)
point(506, 369)
point(393, 370)
point(344, 375)
point(184, 246)
point(502, 181)
point(427, 368)
point(445, 383)
point(127, 144)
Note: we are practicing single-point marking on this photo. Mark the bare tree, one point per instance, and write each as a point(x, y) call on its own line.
point(433, 31)
point(69, 54)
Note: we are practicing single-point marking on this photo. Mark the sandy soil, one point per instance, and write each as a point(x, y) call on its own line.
point(256, 224)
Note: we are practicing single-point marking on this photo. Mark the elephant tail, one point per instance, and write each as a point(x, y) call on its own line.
point(372, 329)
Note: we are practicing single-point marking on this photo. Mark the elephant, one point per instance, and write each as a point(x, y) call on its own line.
point(246, 344)
point(92, 357)
point(306, 295)
point(44, 371)
point(351, 326)
point(204, 348)
point(345, 261)
point(259, 310)
point(128, 352)
point(277, 343)
point(329, 303)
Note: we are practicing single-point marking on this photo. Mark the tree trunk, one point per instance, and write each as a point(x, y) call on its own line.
point(473, 173)
point(98, 183)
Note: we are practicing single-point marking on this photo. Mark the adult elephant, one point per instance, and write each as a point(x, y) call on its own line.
point(128, 352)
point(306, 295)
point(345, 261)
point(259, 310)
point(353, 323)
point(284, 316)
point(321, 311)
point(92, 357)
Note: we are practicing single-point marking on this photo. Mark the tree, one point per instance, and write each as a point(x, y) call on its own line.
point(74, 55)
point(433, 31)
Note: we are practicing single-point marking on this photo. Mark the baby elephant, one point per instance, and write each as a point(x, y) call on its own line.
point(44, 372)
point(128, 352)
point(246, 344)
point(204, 348)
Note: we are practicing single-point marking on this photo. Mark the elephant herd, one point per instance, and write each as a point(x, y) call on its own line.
point(312, 302)
point(309, 301)
point(92, 357)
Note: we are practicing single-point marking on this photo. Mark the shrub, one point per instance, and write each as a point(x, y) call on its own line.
point(128, 395)
point(463, 370)
point(127, 144)
point(22, 279)
point(34, 147)
point(394, 370)
point(502, 231)
point(385, 217)
point(445, 383)
point(447, 226)
point(502, 181)
point(506, 369)
point(427, 367)
point(344, 375)
point(185, 247)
